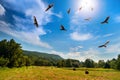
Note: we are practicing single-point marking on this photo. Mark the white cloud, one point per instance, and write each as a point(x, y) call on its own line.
point(59, 15)
point(80, 55)
point(115, 48)
point(2, 10)
point(117, 19)
point(108, 35)
point(80, 37)
point(24, 27)
point(75, 49)
point(31, 37)
point(79, 27)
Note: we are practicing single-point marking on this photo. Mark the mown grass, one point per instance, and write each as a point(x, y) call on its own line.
point(53, 73)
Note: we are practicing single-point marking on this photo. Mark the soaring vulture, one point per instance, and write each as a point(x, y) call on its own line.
point(104, 45)
point(62, 28)
point(106, 20)
point(49, 6)
point(35, 21)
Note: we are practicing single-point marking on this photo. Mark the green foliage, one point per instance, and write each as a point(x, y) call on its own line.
point(11, 53)
point(42, 59)
point(101, 63)
point(68, 63)
point(118, 62)
point(3, 62)
point(89, 63)
point(113, 63)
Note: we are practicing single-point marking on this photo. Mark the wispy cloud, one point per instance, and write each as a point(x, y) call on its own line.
point(30, 37)
point(2, 10)
point(108, 35)
point(79, 28)
point(80, 37)
point(80, 55)
point(75, 49)
point(24, 28)
point(117, 18)
point(114, 48)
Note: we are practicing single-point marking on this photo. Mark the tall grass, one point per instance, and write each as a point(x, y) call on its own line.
point(53, 73)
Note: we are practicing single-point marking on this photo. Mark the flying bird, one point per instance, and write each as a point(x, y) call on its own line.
point(91, 9)
point(68, 11)
point(35, 21)
point(88, 19)
point(104, 45)
point(80, 8)
point(106, 20)
point(49, 6)
point(62, 28)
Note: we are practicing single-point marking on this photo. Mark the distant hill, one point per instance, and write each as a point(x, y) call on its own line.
point(42, 55)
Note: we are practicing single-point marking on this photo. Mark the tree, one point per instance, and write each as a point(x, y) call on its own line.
point(118, 62)
point(68, 63)
point(3, 62)
point(89, 63)
point(107, 65)
point(11, 53)
point(113, 63)
point(101, 63)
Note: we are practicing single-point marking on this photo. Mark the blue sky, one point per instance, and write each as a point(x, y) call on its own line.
point(82, 38)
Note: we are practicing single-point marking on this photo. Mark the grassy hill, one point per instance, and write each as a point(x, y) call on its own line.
point(42, 59)
point(43, 55)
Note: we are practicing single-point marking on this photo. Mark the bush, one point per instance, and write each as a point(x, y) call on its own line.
point(3, 62)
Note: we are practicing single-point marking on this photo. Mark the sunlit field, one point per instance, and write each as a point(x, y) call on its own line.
point(53, 73)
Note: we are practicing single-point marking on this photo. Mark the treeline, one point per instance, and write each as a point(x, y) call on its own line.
point(89, 63)
point(12, 55)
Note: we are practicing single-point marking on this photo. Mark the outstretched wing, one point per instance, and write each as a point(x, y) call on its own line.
point(106, 43)
point(106, 20)
point(68, 11)
point(62, 28)
point(35, 22)
point(80, 8)
point(49, 6)
point(88, 19)
point(101, 46)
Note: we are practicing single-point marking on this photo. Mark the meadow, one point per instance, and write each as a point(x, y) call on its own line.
point(53, 73)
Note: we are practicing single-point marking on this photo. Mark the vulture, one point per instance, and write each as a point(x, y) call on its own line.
point(80, 8)
point(88, 19)
point(104, 45)
point(91, 9)
point(49, 6)
point(35, 21)
point(106, 20)
point(68, 11)
point(62, 28)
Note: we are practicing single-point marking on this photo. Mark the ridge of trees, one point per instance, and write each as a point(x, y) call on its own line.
point(12, 55)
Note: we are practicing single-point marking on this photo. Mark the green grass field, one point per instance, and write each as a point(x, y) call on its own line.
point(52, 73)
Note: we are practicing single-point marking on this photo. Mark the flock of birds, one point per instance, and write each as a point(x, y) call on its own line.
point(63, 28)
point(68, 11)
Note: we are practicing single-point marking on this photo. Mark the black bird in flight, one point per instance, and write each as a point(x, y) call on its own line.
point(35, 21)
point(104, 45)
point(62, 28)
point(80, 8)
point(49, 6)
point(91, 9)
point(68, 11)
point(106, 20)
point(88, 19)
